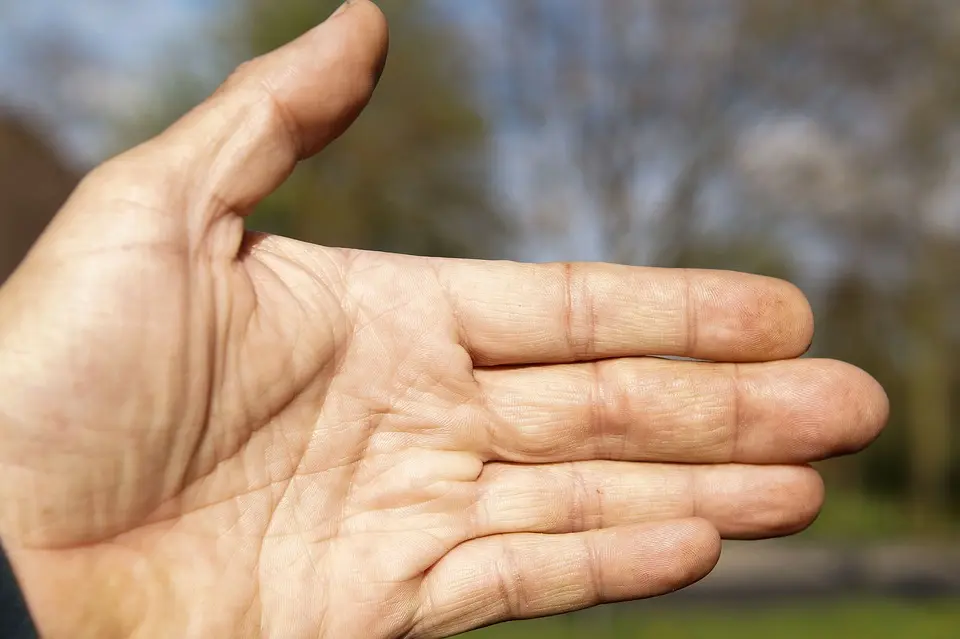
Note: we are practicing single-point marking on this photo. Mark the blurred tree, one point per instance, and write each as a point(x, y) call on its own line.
point(815, 140)
point(881, 75)
point(629, 93)
point(412, 175)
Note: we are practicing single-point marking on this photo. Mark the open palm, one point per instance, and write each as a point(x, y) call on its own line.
point(208, 432)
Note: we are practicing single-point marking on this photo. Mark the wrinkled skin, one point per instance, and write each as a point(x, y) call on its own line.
point(209, 433)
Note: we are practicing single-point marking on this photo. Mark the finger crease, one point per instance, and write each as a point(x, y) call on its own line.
point(694, 486)
point(510, 582)
point(580, 501)
point(691, 339)
point(597, 404)
point(285, 118)
point(595, 570)
point(579, 324)
point(736, 400)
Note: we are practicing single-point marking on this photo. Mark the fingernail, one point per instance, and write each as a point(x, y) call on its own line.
point(343, 7)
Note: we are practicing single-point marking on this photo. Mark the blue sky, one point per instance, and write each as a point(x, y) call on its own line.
point(121, 42)
point(125, 43)
point(111, 27)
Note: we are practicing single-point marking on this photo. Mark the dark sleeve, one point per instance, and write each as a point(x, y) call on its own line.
point(15, 621)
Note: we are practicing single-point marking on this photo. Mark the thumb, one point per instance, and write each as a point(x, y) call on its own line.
point(233, 150)
point(281, 108)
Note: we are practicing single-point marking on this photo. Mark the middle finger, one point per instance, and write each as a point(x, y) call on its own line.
point(656, 410)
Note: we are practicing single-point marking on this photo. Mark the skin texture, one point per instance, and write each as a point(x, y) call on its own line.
point(210, 433)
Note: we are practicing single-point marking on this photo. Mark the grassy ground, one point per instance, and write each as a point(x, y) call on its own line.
point(873, 619)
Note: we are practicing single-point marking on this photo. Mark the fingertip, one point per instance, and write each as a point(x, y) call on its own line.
point(794, 498)
point(703, 542)
point(858, 410)
point(371, 24)
point(349, 52)
point(790, 317)
point(748, 318)
point(812, 495)
point(367, 11)
point(805, 319)
point(877, 407)
point(689, 550)
point(869, 408)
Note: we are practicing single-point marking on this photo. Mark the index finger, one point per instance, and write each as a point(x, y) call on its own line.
point(516, 314)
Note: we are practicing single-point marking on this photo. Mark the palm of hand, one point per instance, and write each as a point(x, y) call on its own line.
point(271, 438)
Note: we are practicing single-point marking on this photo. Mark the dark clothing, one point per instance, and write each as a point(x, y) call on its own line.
point(15, 621)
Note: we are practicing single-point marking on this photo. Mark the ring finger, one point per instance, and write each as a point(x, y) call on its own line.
point(742, 502)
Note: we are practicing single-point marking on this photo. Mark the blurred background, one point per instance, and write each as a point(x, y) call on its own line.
point(817, 141)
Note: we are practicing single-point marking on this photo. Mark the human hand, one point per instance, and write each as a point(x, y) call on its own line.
point(206, 432)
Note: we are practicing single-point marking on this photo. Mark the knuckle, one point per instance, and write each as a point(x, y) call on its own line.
point(579, 316)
